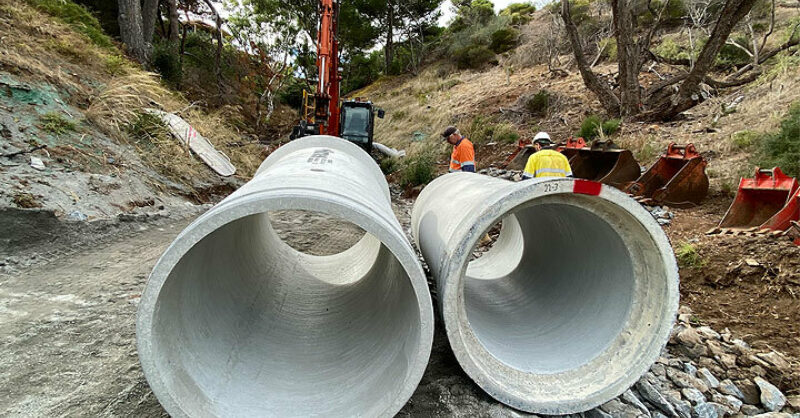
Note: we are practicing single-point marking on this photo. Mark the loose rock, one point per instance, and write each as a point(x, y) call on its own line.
point(771, 397)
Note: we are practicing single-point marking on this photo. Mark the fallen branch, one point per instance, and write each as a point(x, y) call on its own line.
point(14, 154)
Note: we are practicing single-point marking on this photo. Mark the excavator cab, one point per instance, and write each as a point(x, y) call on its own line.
point(358, 122)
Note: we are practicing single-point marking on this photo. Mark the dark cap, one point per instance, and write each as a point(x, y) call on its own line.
point(449, 131)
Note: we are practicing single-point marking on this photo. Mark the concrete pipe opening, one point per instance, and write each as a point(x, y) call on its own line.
point(569, 307)
point(236, 322)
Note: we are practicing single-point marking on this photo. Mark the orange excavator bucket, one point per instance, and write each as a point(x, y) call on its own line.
point(602, 162)
point(677, 179)
point(770, 200)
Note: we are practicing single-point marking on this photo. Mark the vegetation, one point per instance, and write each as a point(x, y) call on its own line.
point(744, 140)
point(483, 130)
point(56, 124)
point(688, 256)
point(782, 149)
point(594, 126)
point(519, 13)
point(539, 103)
point(389, 165)
point(419, 169)
point(78, 17)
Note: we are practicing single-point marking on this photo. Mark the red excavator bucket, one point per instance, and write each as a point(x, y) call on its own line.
point(677, 179)
point(519, 158)
point(602, 162)
point(769, 200)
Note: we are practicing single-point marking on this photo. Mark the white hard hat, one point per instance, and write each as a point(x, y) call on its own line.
point(541, 135)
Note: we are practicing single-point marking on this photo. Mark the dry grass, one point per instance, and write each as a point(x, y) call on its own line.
point(125, 98)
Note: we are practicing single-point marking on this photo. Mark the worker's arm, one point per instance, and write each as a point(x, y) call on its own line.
point(468, 166)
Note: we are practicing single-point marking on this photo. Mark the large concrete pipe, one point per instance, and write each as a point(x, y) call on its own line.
point(235, 322)
point(571, 305)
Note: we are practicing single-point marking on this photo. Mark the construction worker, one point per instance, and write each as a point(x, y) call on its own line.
point(546, 162)
point(463, 157)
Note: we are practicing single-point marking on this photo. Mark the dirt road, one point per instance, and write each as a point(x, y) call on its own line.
point(67, 334)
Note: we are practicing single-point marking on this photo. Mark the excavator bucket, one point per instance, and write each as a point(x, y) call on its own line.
point(769, 200)
point(602, 162)
point(677, 179)
point(519, 158)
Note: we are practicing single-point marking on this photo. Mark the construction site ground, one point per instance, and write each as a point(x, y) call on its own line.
point(67, 322)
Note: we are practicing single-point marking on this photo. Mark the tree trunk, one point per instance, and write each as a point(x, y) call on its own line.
point(174, 21)
point(149, 15)
point(668, 106)
point(132, 31)
point(629, 58)
point(600, 88)
point(389, 49)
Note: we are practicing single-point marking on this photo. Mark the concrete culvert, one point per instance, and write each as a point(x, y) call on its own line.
point(571, 305)
point(235, 322)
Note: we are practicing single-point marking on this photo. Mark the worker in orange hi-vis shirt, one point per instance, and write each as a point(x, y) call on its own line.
point(463, 157)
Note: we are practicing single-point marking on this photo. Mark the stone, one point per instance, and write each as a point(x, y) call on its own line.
point(690, 369)
point(631, 399)
point(776, 360)
point(658, 370)
point(751, 392)
point(726, 387)
point(740, 347)
point(728, 361)
point(689, 337)
point(683, 408)
point(616, 408)
point(771, 397)
point(794, 401)
point(597, 413)
point(650, 394)
point(693, 395)
point(683, 380)
point(774, 415)
point(731, 402)
point(708, 378)
point(708, 333)
point(751, 410)
point(708, 410)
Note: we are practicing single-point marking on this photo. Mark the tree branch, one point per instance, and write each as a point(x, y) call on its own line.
point(600, 88)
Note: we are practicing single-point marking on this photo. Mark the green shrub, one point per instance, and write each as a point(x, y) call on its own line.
point(594, 126)
point(389, 165)
point(474, 56)
point(419, 168)
point(78, 17)
point(56, 124)
point(609, 48)
point(504, 40)
point(744, 139)
point(731, 55)
point(519, 13)
point(147, 129)
point(482, 130)
point(116, 64)
point(538, 103)
point(688, 256)
point(782, 149)
point(166, 61)
point(291, 94)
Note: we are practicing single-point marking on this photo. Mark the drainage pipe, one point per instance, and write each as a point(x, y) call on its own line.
point(235, 322)
point(571, 305)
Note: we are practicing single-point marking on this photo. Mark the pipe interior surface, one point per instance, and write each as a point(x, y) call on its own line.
point(246, 319)
point(550, 313)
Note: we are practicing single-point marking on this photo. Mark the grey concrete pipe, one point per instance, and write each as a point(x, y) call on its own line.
point(235, 322)
point(571, 305)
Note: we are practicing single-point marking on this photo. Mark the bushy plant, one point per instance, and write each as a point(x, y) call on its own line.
point(744, 139)
point(688, 256)
point(389, 165)
point(482, 130)
point(504, 40)
point(519, 13)
point(473, 56)
point(782, 149)
point(56, 124)
point(419, 169)
point(538, 103)
point(594, 126)
point(609, 48)
point(166, 61)
point(731, 55)
point(78, 17)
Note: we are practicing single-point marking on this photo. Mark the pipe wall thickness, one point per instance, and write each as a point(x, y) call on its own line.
point(571, 305)
point(235, 322)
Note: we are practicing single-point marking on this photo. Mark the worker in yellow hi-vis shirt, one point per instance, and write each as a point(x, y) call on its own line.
point(546, 162)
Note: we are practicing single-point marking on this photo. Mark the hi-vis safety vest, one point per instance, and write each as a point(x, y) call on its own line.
point(463, 157)
point(547, 163)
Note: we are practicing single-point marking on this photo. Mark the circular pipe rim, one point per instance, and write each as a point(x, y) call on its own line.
point(264, 202)
point(471, 229)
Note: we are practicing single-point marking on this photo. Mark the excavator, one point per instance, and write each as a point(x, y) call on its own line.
point(324, 113)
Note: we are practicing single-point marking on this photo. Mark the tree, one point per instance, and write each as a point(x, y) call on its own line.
point(668, 98)
point(131, 28)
